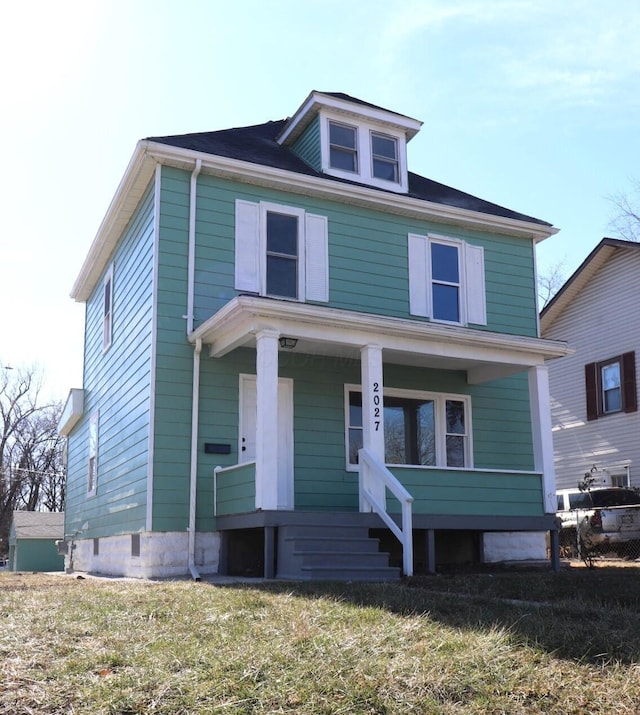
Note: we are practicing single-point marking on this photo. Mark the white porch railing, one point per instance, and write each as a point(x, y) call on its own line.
point(373, 473)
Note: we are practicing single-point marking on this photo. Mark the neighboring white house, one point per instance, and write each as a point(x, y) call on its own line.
point(593, 392)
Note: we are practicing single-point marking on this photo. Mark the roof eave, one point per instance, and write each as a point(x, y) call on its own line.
point(580, 277)
point(148, 154)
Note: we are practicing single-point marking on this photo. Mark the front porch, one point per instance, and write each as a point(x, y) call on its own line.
point(452, 510)
point(417, 390)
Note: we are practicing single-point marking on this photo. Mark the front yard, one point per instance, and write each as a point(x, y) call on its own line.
point(467, 643)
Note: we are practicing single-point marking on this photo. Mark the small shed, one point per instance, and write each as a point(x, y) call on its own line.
point(32, 541)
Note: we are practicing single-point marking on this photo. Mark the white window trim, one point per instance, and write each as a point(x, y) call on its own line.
point(107, 317)
point(94, 431)
point(251, 251)
point(265, 208)
point(356, 150)
point(364, 130)
point(462, 302)
point(471, 273)
point(440, 399)
point(392, 137)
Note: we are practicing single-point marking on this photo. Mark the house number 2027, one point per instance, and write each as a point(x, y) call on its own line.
point(375, 402)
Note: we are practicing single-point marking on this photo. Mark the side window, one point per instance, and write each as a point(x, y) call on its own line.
point(92, 467)
point(446, 280)
point(281, 252)
point(610, 386)
point(107, 310)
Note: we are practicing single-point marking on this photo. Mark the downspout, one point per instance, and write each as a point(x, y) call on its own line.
point(191, 266)
point(194, 459)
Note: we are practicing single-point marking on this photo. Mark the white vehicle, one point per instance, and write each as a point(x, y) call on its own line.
point(606, 519)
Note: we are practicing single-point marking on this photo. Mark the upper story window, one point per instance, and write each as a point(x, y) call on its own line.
point(107, 310)
point(384, 157)
point(446, 280)
point(611, 386)
point(425, 429)
point(364, 151)
point(281, 252)
point(343, 147)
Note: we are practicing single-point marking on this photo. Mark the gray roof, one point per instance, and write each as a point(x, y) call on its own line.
point(257, 144)
point(38, 525)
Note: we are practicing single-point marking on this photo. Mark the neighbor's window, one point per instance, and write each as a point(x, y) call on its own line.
point(282, 255)
point(384, 157)
point(343, 143)
point(611, 386)
point(107, 312)
point(445, 281)
point(419, 428)
point(92, 475)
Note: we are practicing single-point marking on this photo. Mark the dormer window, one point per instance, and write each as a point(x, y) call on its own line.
point(343, 147)
point(363, 151)
point(384, 157)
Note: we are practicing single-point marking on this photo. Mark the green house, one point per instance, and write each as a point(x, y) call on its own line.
point(303, 360)
point(32, 541)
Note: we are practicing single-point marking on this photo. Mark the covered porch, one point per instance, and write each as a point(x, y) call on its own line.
point(255, 492)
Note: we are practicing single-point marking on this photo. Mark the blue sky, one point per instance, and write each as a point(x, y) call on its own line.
point(530, 104)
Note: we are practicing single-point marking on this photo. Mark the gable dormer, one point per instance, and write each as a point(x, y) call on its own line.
point(351, 139)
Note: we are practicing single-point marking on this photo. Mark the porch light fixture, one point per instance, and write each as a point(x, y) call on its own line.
point(288, 343)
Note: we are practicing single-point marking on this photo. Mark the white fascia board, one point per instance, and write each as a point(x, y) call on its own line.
point(317, 100)
point(130, 191)
point(353, 194)
point(140, 171)
point(72, 412)
point(236, 322)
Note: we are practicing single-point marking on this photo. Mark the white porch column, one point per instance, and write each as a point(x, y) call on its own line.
point(267, 419)
point(542, 434)
point(373, 408)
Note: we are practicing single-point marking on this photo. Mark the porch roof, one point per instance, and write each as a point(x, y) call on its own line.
point(319, 330)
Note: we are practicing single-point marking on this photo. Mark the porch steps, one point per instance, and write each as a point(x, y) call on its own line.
point(312, 552)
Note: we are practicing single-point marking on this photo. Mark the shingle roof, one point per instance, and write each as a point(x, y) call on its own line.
point(257, 144)
point(38, 525)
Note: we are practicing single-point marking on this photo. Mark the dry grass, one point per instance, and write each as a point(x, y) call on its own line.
point(105, 646)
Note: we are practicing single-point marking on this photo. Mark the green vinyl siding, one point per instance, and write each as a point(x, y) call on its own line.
point(458, 492)
point(117, 385)
point(174, 359)
point(368, 258)
point(236, 490)
point(307, 145)
point(500, 420)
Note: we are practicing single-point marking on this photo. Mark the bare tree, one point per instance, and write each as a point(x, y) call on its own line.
point(31, 451)
point(626, 221)
point(550, 282)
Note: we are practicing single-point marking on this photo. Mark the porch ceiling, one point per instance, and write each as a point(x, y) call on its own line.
point(339, 333)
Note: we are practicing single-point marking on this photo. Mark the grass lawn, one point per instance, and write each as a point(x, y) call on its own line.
point(468, 643)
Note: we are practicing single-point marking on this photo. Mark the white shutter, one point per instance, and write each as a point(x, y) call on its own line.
point(316, 258)
point(418, 288)
point(247, 246)
point(475, 285)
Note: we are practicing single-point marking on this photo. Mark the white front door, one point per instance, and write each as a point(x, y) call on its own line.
point(247, 433)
